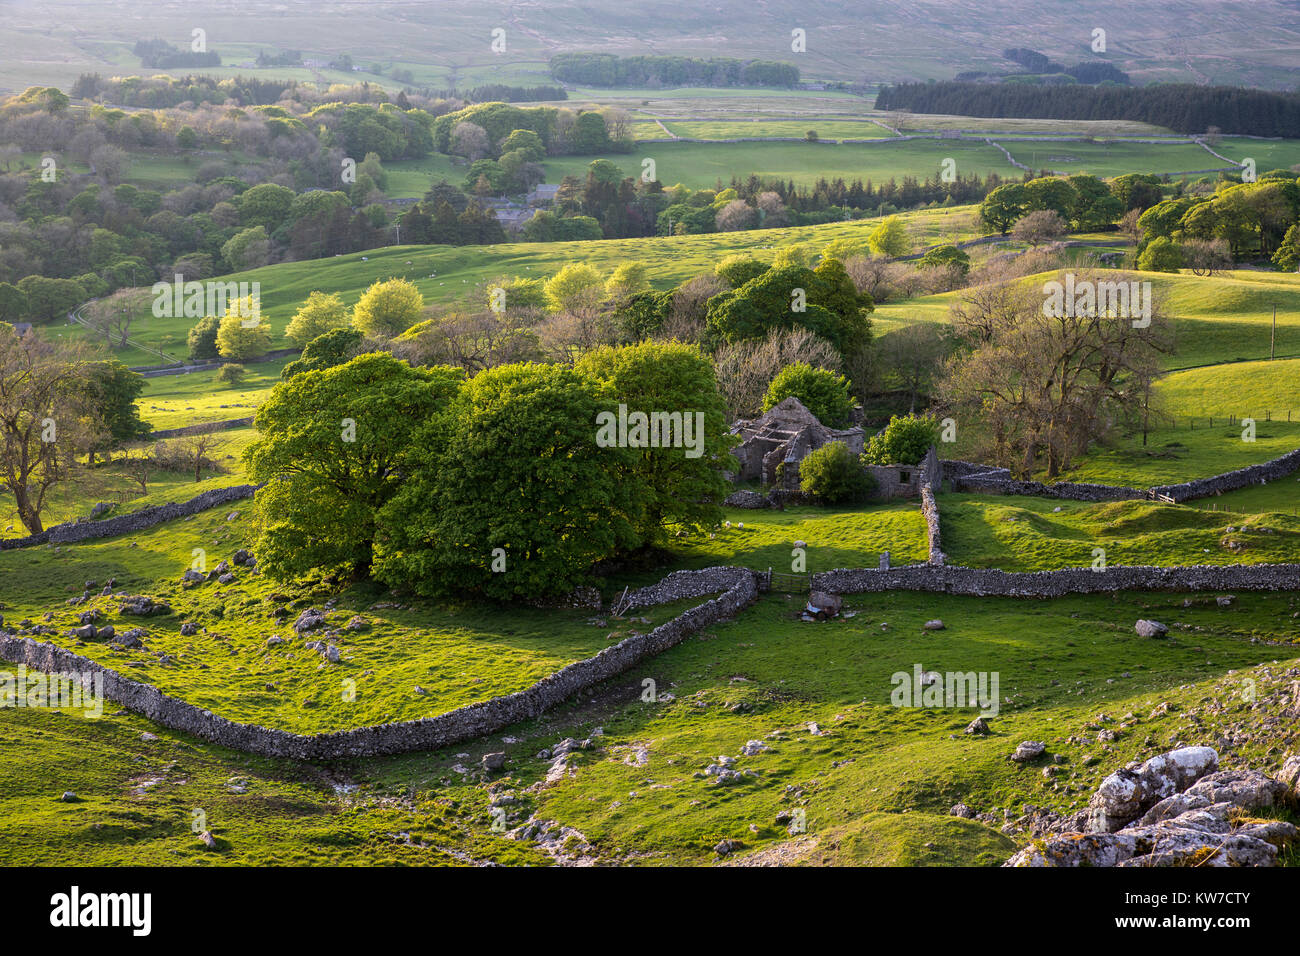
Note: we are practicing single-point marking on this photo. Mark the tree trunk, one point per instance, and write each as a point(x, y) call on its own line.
point(29, 516)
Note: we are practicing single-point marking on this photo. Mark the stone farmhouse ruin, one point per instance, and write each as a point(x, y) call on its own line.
point(785, 434)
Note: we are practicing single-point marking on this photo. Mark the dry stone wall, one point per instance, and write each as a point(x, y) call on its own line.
point(930, 511)
point(738, 585)
point(203, 428)
point(1232, 480)
point(991, 582)
point(82, 529)
point(970, 476)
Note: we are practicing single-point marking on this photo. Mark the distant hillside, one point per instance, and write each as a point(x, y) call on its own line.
point(450, 43)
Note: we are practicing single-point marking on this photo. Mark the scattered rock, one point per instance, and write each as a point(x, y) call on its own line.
point(978, 727)
point(934, 625)
point(141, 605)
point(494, 761)
point(1028, 750)
point(1146, 628)
point(1290, 774)
point(189, 629)
point(309, 620)
point(822, 605)
point(726, 847)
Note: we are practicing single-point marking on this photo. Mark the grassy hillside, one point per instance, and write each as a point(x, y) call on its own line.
point(1221, 318)
point(446, 274)
point(407, 662)
point(1181, 453)
point(1038, 534)
point(875, 781)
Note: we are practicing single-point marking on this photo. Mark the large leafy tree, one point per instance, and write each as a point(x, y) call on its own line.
point(822, 392)
point(1002, 207)
point(13, 304)
point(332, 449)
point(325, 351)
point(1094, 206)
point(243, 333)
point(388, 308)
point(202, 339)
point(904, 441)
point(318, 315)
point(789, 297)
point(1050, 193)
point(112, 390)
point(890, 238)
point(510, 477)
point(671, 377)
point(47, 415)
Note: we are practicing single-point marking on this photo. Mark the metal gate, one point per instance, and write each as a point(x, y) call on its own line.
point(788, 583)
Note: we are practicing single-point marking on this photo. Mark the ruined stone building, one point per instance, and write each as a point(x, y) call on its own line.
point(786, 433)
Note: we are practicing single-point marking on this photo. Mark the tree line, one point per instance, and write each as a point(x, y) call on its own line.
point(1182, 107)
point(606, 69)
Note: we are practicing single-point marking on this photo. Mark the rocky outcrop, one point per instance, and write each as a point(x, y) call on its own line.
point(1176, 809)
point(1126, 794)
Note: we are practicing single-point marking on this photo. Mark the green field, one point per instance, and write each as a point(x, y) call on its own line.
point(730, 129)
point(703, 165)
point(406, 663)
point(173, 401)
point(1184, 452)
point(1262, 390)
point(876, 783)
point(1040, 534)
point(1113, 158)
